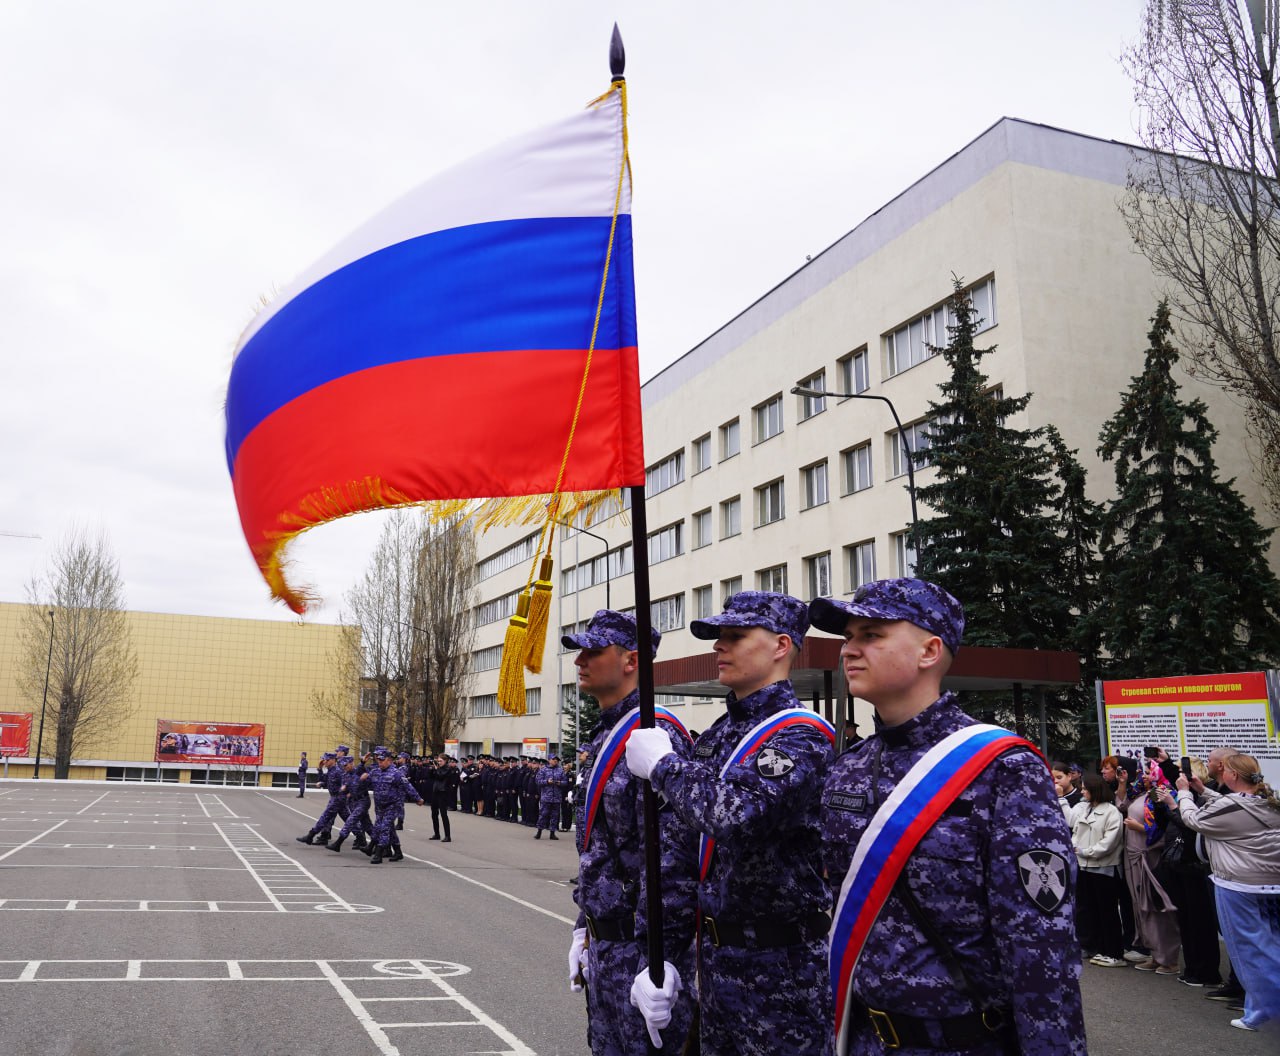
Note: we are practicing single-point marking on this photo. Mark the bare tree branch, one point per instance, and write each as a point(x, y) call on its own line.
point(94, 665)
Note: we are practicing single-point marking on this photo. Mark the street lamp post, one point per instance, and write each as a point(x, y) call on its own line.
point(800, 390)
point(44, 703)
point(608, 578)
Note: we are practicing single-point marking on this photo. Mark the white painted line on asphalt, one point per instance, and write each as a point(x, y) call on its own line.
point(200, 800)
point(376, 1033)
point(98, 800)
point(284, 880)
point(435, 865)
point(29, 842)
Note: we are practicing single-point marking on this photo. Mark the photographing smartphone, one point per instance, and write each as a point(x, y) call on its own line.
point(1186, 767)
point(1151, 752)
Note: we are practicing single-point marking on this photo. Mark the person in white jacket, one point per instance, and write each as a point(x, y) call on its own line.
point(1096, 837)
point(1242, 836)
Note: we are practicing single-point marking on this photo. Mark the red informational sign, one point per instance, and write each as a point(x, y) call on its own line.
point(15, 733)
point(216, 743)
point(1194, 714)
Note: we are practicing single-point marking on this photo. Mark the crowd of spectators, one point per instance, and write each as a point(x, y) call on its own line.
point(1170, 856)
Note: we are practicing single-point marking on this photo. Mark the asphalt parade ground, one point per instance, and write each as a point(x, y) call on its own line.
point(139, 920)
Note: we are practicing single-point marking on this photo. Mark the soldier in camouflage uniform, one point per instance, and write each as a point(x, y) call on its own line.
point(611, 893)
point(390, 788)
point(551, 781)
point(976, 952)
point(763, 899)
point(356, 794)
point(331, 774)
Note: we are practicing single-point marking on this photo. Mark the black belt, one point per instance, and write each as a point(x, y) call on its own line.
point(620, 929)
point(898, 1030)
point(765, 933)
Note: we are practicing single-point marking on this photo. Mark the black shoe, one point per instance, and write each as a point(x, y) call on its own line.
point(553, 835)
point(335, 846)
point(309, 838)
point(397, 855)
point(326, 836)
point(299, 795)
point(447, 839)
point(360, 844)
point(400, 826)
point(1235, 1006)
point(366, 850)
point(376, 857)
point(433, 837)
point(1225, 993)
point(538, 835)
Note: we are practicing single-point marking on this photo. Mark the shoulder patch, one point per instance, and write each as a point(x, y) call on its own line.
point(1043, 875)
point(853, 802)
point(771, 762)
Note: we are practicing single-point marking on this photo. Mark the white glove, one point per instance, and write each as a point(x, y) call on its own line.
point(645, 748)
point(578, 959)
point(656, 1004)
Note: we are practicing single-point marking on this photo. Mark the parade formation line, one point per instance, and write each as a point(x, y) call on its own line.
point(437, 1006)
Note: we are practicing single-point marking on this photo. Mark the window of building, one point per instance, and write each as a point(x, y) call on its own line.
point(904, 554)
point(667, 614)
point(814, 481)
point(857, 468)
point(731, 517)
point(772, 579)
point(769, 503)
point(702, 454)
point(533, 701)
point(501, 608)
point(922, 337)
point(485, 706)
point(665, 474)
point(917, 439)
point(666, 543)
point(768, 419)
point(515, 554)
point(854, 372)
point(859, 564)
point(730, 439)
point(817, 574)
point(703, 606)
point(597, 570)
point(369, 697)
point(702, 528)
point(487, 659)
point(729, 587)
point(811, 405)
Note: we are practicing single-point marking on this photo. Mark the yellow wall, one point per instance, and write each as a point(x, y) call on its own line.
point(204, 668)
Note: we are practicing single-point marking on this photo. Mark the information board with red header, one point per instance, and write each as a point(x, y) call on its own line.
point(15, 734)
point(215, 743)
point(1194, 714)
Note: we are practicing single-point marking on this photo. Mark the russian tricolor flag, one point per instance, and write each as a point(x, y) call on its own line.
point(438, 352)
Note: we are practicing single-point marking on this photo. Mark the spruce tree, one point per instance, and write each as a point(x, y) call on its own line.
point(993, 538)
point(1185, 584)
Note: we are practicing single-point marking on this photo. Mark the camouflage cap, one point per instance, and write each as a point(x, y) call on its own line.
point(608, 627)
point(343, 748)
point(350, 760)
point(328, 755)
point(779, 613)
point(925, 604)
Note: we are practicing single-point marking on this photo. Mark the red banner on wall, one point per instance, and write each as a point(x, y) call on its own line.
point(215, 743)
point(15, 733)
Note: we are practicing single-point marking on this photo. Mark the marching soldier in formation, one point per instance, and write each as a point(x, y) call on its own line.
point(331, 775)
point(390, 788)
point(356, 797)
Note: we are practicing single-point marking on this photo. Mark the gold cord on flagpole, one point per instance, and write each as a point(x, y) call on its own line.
point(527, 633)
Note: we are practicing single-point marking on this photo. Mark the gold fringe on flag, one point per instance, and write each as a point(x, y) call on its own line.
point(539, 615)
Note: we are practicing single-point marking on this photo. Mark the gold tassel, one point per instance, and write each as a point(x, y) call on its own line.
point(539, 616)
point(511, 673)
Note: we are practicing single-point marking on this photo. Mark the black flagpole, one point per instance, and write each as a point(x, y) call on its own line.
point(644, 634)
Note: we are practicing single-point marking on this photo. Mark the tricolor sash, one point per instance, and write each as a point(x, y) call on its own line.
point(748, 746)
point(611, 750)
point(919, 800)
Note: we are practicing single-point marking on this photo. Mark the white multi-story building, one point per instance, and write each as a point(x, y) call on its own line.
point(751, 487)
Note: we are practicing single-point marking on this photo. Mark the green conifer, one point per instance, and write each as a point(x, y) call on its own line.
point(1185, 586)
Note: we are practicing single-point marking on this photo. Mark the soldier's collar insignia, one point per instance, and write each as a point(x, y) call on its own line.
point(1043, 875)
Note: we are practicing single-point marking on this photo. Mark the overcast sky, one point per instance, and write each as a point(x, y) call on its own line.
point(167, 164)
